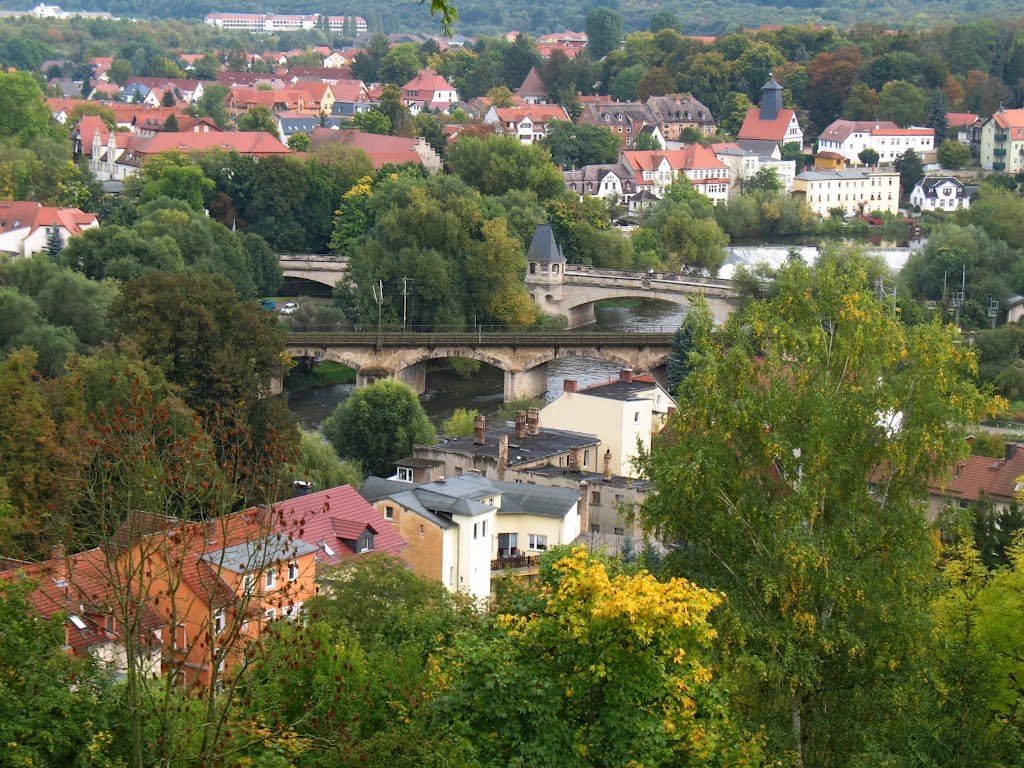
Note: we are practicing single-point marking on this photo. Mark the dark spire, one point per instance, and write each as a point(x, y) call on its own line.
point(771, 98)
point(543, 247)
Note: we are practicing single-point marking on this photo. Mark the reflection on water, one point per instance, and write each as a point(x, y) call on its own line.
point(447, 391)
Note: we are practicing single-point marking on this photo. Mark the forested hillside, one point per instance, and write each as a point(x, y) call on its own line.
point(491, 16)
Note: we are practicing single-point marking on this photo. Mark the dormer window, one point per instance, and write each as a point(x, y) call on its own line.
point(365, 543)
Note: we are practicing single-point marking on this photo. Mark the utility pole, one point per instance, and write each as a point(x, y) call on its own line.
point(958, 296)
point(405, 296)
point(378, 296)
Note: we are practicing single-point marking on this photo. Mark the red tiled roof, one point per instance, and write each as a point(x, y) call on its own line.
point(903, 132)
point(426, 81)
point(381, 149)
point(18, 214)
point(978, 476)
point(538, 113)
point(959, 119)
point(765, 130)
point(1009, 118)
point(252, 143)
point(254, 97)
point(699, 156)
point(329, 516)
point(87, 129)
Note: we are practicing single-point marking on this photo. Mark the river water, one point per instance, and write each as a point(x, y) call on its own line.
point(446, 391)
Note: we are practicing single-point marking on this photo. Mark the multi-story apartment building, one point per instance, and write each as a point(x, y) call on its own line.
point(855, 192)
point(271, 22)
point(1002, 141)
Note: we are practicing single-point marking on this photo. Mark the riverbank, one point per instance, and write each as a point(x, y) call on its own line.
point(326, 373)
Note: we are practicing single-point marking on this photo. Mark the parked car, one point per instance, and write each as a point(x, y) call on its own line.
point(289, 308)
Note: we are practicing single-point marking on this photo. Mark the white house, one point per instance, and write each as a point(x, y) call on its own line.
point(614, 181)
point(528, 124)
point(744, 164)
point(851, 137)
point(428, 90)
point(460, 529)
point(25, 225)
point(941, 193)
point(656, 170)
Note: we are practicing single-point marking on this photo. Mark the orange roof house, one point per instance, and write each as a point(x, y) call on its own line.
point(769, 121)
point(25, 225)
point(381, 149)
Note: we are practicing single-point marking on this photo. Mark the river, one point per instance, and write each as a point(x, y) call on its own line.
point(446, 391)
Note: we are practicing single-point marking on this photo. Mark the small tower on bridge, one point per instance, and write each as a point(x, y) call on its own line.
point(545, 269)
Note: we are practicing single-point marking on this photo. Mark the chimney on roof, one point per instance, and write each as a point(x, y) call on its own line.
point(626, 375)
point(1011, 450)
point(502, 455)
point(569, 385)
point(584, 507)
point(574, 459)
point(533, 422)
point(301, 488)
point(608, 464)
point(479, 429)
point(520, 425)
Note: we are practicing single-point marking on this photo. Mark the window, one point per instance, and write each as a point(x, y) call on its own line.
point(270, 580)
point(619, 498)
point(476, 531)
point(595, 528)
point(538, 543)
point(249, 583)
point(620, 531)
point(270, 614)
point(483, 525)
point(218, 621)
point(508, 544)
point(595, 497)
point(293, 571)
point(636, 416)
point(405, 474)
point(586, 458)
point(389, 513)
point(365, 543)
point(422, 531)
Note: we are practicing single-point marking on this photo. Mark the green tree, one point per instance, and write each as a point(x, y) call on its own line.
point(318, 464)
point(120, 71)
point(861, 104)
point(765, 180)
point(399, 66)
point(868, 156)
point(953, 155)
point(299, 142)
point(902, 102)
point(461, 423)
point(791, 411)
point(54, 242)
point(617, 668)
point(258, 119)
point(52, 708)
point(911, 171)
point(23, 110)
point(378, 425)
point(664, 19)
point(392, 107)
point(501, 97)
point(792, 150)
point(579, 145)
point(171, 124)
point(499, 164)
point(172, 175)
point(212, 104)
point(938, 110)
point(168, 99)
point(647, 142)
point(624, 85)
point(604, 32)
point(690, 336)
point(734, 109)
point(372, 121)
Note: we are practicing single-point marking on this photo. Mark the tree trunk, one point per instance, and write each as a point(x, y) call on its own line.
point(797, 723)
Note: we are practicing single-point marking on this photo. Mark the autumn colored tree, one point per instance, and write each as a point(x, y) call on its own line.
point(830, 77)
point(790, 478)
point(618, 672)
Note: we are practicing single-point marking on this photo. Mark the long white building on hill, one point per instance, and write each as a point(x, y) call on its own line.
point(270, 22)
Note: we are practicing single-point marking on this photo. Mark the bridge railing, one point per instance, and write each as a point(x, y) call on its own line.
point(427, 335)
point(332, 257)
point(676, 277)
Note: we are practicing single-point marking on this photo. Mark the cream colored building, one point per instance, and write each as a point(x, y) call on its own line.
point(856, 192)
point(1002, 141)
point(464, 529)
point(623, 413)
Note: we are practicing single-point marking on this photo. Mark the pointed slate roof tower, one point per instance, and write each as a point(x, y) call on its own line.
point(533, 90)
point(771, 98)
point(545, 261)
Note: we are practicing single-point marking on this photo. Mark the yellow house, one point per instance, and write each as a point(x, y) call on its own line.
point(465, 529)
point(623, 413)
point(1002, 141)
point(856, 193)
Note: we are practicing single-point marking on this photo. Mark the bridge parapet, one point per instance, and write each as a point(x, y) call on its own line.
point(583, 270)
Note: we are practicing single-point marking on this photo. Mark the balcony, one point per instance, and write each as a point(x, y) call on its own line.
point(998, 166)
point(515, 563)
point(999, 152)
point(1001, 137)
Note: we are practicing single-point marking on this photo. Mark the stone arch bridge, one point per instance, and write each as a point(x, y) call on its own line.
point(572, 293)
point(522, 355)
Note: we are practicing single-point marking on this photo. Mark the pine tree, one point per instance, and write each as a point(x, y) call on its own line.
point(54, 242)
point(937, 115)
point(171, 124)
point(698, 323)
point(169, 99)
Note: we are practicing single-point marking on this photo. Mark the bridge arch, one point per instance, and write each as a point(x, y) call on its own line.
point(472, 353)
